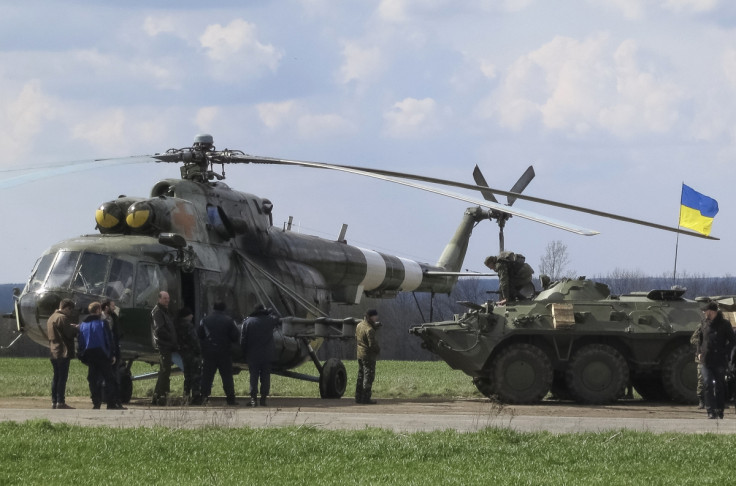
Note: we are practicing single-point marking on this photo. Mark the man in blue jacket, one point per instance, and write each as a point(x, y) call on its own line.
point(96, 350)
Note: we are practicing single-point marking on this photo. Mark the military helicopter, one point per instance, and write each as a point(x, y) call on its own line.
point(202, 241)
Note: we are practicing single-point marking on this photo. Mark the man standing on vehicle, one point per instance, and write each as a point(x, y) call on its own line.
point(716, 342)
point(256, 342)
point(217, 332)
point(368, 351)
point(514, 276)
point(61, 333)
point(164, 336)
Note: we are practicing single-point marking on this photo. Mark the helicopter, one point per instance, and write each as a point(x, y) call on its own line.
point(202, 241)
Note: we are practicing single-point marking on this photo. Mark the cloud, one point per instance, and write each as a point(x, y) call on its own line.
point(579, 86)
point(274, 115)
point(323, 126)
point(23, 117)
point(411, 118)
point(236, 43)
point(696, 6)
point(205, 117)
point(154, 26)
point(360, 64)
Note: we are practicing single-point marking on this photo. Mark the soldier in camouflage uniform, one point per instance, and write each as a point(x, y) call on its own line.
point(514, 276)
point(695, 340)
point(368, 351)
point(191, 356)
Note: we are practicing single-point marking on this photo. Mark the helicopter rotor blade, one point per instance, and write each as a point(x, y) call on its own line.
point(45, 171)
point(462, 185)
point(521, 184)
point(376, 175)
point(481, 181)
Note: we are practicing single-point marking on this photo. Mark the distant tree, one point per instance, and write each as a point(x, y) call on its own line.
point(555, 261)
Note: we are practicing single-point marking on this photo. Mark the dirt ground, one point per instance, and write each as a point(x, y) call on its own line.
point(620, 409)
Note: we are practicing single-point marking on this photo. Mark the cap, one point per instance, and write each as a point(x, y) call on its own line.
point(709, 306)
point(491, 260)
point(371, 312)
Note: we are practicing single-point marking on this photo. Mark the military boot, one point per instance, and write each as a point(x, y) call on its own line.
point(263, 401)
point(367, 398)
point(253, 402)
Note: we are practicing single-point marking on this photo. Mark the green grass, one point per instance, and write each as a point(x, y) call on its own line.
point(39, 452)
point(31, 377)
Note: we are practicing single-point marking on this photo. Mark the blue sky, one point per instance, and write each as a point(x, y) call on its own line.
point(615, 103)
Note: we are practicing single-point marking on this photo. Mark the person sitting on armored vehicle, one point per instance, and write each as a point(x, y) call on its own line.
point(514, 276)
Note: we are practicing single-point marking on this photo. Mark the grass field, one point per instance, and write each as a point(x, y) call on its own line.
point(28, 377)
point(39, 452)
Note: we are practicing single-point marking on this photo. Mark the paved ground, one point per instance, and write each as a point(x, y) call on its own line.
point(398, 415)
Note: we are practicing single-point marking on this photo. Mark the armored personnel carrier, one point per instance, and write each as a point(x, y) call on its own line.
point(577, 341)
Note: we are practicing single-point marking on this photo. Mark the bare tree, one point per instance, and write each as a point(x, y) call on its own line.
point(555, 261)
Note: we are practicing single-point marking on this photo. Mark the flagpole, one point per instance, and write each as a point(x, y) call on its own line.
point(677, 241)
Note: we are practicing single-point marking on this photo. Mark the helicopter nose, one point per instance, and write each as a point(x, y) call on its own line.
point(35, 310)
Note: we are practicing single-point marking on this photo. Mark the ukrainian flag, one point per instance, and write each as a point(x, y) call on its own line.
point(697, 211)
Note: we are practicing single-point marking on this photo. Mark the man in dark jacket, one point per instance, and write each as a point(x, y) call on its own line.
point(164, 336)
point(368, 351)
point(716, 342)
point(96, 351)
point(514, 276)
point(256, 342)
point(61, 333)
point(217, 332)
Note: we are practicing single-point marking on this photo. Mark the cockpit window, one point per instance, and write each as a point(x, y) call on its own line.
point(63, 269)
point(90, 277)
point(40, 272)
point(148, 283)
point(120, 284)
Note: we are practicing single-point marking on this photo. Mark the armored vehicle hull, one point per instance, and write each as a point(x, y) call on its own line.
point(577, 341)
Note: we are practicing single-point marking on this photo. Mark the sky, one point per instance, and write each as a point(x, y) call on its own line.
point(615, 103)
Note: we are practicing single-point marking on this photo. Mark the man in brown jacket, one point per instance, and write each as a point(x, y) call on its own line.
point(368, 351)
point(61, 333)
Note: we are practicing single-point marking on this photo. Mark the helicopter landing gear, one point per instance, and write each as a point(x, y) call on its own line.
point(333, 379)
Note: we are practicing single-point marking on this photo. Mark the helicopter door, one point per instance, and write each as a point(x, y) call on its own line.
point(189, 291)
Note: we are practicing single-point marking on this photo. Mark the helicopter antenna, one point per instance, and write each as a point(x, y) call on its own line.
point(500, 216)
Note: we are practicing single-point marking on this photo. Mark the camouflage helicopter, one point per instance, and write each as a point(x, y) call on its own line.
point(202, 241)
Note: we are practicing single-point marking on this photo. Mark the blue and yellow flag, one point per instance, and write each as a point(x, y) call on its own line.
point(697, 211)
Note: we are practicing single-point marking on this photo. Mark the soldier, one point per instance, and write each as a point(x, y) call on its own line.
point(217, 332)
point(256, 342)
point(61, 333)
point(109, 314)
point(164, 336)
point(191, 356)
point(514, 276)
point(695, 340)
point(368, 351)
point(715, 344)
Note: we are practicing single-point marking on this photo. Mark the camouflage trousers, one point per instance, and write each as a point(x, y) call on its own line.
point(700, 391)
point(364, 382)
point(192, 375)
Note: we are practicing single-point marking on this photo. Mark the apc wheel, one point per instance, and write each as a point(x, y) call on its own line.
point(650, 388)
point(484, 386)
point(126, 384)
point(597, 374)
point(333, 380)
point(680, 375)
point(521, 373)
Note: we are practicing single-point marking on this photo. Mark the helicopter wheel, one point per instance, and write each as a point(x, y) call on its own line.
point(333, 380)
point(521, 373)
point(680, 375)
point(597, 374)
